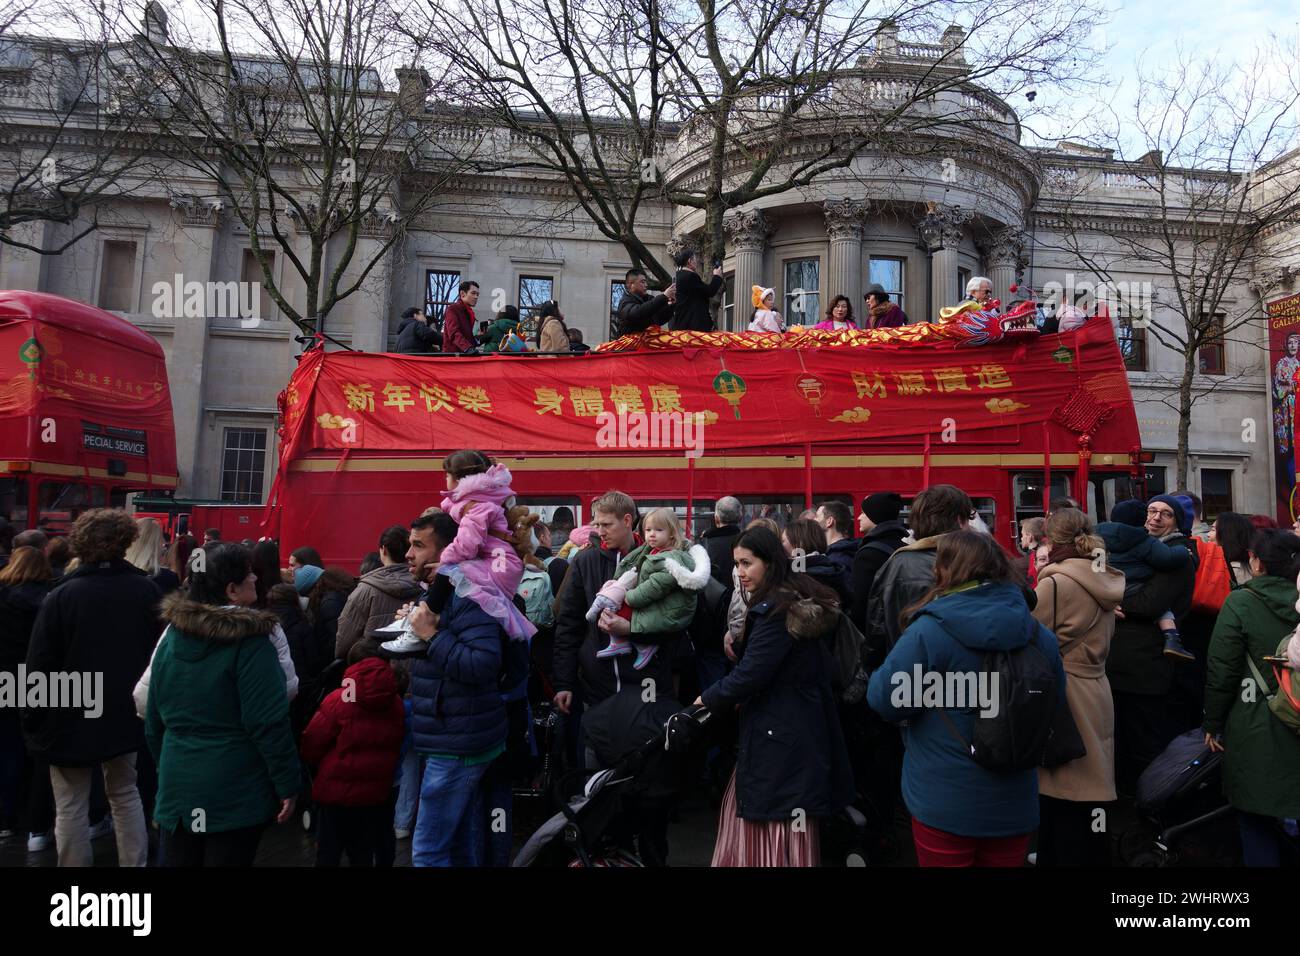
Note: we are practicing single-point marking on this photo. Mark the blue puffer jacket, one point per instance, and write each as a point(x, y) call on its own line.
point(943, 786)
point(454, 691)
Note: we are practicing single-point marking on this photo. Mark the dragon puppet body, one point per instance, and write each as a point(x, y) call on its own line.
point(964, 325)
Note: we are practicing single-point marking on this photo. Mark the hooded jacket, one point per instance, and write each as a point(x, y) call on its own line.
point(873, 551)
point(101, 620)
point(792, 752)
point(1138, 555)
point(1078, 603)
point(217, 719)
point(842, 552)
point(943, 786)
point(1261, 755)
point(355, 739)
point(373, 603)
point(667, 587)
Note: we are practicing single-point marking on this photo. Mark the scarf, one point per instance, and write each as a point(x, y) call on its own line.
point(879, 311)
point(1063, 552)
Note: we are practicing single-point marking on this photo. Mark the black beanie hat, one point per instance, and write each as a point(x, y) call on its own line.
point(882, 506)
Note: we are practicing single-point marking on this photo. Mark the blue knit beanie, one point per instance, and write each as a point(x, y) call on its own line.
point(1131, 511)
point(1182, 516)
point(304, 579)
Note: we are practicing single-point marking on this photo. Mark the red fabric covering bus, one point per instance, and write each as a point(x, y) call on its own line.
point(1013, 422)
point(85, 411)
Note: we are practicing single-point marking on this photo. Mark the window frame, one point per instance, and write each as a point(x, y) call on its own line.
point(528, 313)
point(1136, 359)
point(133, 284)
point(896, 297)
point(1211, 510)
point(1214, 346)
point(268, 310)
point(619, 287)
point(438, 309)
point(787, 295)
point(249, 497)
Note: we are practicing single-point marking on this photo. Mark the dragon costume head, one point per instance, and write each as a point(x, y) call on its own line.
point(988, 325)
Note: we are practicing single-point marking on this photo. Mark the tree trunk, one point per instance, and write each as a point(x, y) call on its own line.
point(1184, 416)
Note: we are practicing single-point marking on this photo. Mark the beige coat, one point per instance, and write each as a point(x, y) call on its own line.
point(1078, 604)
point(553, 338)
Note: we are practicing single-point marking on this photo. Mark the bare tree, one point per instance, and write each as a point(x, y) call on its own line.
point(289, 119)
point(62, 151)
point(713, 104)
point(1213, 181)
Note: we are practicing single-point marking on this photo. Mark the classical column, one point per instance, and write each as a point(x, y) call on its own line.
point(845, 222)
point(1004, 253)
point(201, 225)
point(943, 276)
point(746, 234)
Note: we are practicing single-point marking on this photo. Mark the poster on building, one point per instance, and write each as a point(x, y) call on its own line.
point(1284, 363)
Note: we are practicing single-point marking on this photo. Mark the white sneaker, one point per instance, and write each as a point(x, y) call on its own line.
point(36, 842)
point(402, 834)
point(405, 644)
point(103, 828)
point(1033, 859)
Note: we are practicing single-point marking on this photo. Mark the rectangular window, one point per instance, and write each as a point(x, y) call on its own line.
point(1216, 492)
point(561, 514)
point(888, 274)
point(243, 465)
point(61, 503)
point(441, 289)
point(617, 289)
point(1210, 357)
point(802, 292)
point(1132, 345)
point(117, 276)
point(701, 513)
point(963, 277)
point(534, 292)
point(13, 501)
point(250, 271)
point(728, 322)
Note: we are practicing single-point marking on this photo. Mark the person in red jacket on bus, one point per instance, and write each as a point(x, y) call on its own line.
point(458, 322)
point(354, 743)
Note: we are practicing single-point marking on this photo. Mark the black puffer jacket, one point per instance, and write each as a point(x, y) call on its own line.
point(417, 337)
point(873, 551)
point(102, 619)
point(18, 606)
point(720, 542)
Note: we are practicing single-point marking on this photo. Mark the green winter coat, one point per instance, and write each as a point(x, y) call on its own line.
point(1261, 756)
point(217, 719)
point(496, 331)
point(667, 588)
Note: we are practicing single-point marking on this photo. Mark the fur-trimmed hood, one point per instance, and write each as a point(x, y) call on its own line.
point(808, 618)
point(492, 485)
point(690, 569)
point(208, 622)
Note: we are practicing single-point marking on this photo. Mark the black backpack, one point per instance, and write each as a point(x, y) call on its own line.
point(1027, 697)
point(847, 645)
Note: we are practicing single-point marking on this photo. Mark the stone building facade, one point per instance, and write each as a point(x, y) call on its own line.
point(918, 226)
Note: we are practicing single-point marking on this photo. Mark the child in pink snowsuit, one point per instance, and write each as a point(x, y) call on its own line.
point(482, 563)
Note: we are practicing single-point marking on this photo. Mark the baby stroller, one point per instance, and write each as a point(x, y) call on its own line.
point(1179, 792)
point(590, 829)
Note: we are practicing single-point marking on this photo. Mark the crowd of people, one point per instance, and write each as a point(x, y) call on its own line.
point(399, 703)
point(686, 304)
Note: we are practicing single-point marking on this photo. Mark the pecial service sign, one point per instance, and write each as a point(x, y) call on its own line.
point(108, 440)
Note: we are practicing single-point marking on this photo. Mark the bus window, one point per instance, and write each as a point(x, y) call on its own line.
point(782, 508)
point(986, 508)
point(118, 497)
point(701, 513)
point(98, 496)
point(13, 501)
point(1027, 493)
point(1115, 490)
point(561, 514)
point(61, 502)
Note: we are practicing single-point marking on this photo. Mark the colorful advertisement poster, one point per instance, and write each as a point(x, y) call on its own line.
point(1284, 363)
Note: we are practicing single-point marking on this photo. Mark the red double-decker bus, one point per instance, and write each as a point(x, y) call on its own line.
point(85, 411)
point(1014, 423)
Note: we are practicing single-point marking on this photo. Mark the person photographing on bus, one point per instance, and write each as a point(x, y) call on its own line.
point(693, 311)
point(482, 563)
point(638, 310)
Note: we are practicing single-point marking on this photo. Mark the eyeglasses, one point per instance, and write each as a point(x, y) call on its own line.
point(1159, 513)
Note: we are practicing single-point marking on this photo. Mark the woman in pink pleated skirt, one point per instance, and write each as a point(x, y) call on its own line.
point(793, 768)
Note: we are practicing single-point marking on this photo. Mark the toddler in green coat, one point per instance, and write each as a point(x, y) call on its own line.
point(655, 587)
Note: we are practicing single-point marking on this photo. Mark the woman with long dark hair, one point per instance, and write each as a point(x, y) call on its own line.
point(552, 334)
point(963, 814)
point(1261, 755)
point(266, 565)
point(1232, 532)
point(793, 768)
